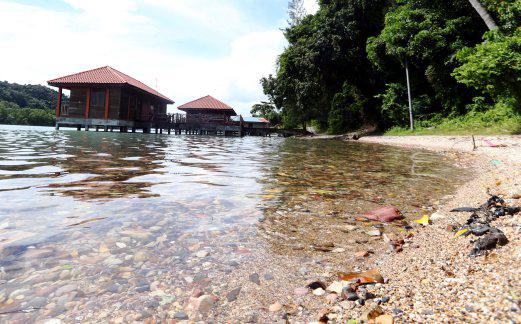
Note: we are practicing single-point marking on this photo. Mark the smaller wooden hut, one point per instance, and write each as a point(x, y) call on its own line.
point(109, 98)
point(207, 110)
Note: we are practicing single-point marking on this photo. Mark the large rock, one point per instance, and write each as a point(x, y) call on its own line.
point(384, 214)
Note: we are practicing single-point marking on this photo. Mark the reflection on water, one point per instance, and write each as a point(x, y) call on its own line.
point(93, 225)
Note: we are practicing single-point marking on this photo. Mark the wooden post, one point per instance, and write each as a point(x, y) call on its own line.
point(128, 108)
point(87, 105)
point(107, 95)
point(59, 103)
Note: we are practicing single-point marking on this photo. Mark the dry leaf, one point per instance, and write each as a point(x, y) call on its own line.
point(423, 221)
point(461, 232)
point(370, 276)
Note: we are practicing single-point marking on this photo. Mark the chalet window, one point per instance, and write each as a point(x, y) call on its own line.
point(97, 98)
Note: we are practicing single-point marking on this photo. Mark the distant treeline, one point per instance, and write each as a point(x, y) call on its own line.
point(27, 104)
point(345, 66)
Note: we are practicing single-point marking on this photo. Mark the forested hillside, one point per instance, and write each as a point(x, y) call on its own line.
point(27, 104)
point(345, 66)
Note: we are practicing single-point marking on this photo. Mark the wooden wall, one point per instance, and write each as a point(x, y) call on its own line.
point(124, 104)
point(77, 103)
point(214, 117)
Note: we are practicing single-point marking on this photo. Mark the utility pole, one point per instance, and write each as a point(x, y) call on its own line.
point(411, 119)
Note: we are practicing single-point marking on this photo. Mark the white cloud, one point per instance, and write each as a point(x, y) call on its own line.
point(311, 6)
point(40, 44)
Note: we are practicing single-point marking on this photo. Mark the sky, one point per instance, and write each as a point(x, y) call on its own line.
point(186, 49)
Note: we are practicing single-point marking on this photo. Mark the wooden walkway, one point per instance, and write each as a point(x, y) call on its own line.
point(174, 124)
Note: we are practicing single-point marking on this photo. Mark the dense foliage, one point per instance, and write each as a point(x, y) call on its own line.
point(27, 104)
point(344, 67)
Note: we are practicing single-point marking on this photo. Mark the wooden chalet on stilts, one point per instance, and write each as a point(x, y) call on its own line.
point(208, 115)
point(108, 98)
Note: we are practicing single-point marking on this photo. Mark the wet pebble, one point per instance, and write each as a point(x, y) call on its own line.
point(254, 277)
point(180, 316)
point(202, 254)
point(65, 289)
point(143, 288)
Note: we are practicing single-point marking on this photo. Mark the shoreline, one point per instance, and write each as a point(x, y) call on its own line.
point(431, 278)
point(434, 279)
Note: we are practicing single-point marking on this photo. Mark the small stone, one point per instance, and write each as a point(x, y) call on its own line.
point(336, 287)
point(437, 216)
point(140, 256)
point(232, 295)
point(268, 277)
point(375, 232)
point(427, 312)
point(397, 312)
point(121, 245)
point(254, 277)
point(361, 254)
point(203, 304)
point(202, 254)
point(385, 299)
point(303, 271)
point(515, 194)
point(348, 228)
point(275, 307)
point(301, 291)
point(53, 321)
point(103, 249)
point(319, 292)
point(180, 316)
point(65, 289)
point(384, 319)
point(338, 250)
point(371, 313)
point(352, 296)
point(332, 297)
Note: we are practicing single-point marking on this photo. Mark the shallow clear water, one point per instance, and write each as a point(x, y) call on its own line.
point(91, 223)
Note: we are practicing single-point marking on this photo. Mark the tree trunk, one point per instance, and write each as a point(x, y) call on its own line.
point(491, 24)
point(411, 119)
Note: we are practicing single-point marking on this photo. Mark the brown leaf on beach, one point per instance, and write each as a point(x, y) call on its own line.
point(370, 276)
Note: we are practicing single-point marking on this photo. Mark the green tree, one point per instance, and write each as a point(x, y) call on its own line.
point(493, 67)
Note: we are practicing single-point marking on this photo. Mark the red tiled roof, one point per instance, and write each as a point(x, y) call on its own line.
point(106, 75)
point(207, 102)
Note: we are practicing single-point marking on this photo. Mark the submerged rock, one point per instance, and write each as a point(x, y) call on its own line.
point(384, 214)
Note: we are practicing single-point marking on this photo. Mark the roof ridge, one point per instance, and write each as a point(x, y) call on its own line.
point(116, 73)
point(82, 72)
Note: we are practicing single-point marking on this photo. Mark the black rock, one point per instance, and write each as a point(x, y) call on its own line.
point(361, 302)
point(316, 284)
point(385, 299)
point(352, 296)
